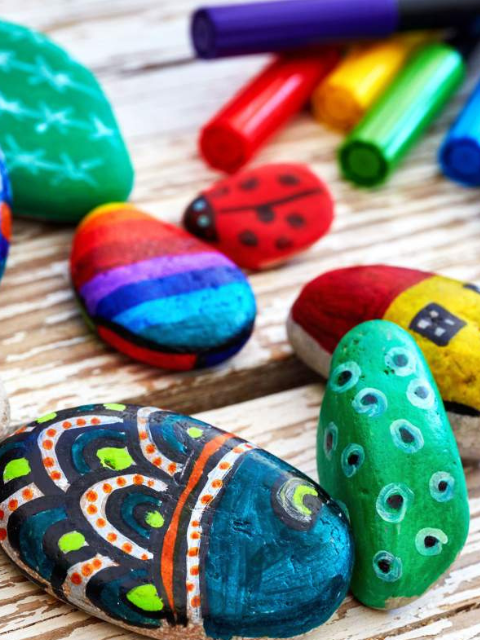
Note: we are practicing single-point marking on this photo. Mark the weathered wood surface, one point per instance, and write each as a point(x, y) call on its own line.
point(49, 360)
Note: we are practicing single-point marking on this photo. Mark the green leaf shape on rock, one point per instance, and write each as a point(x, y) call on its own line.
point(62, 144)
point(386, 450)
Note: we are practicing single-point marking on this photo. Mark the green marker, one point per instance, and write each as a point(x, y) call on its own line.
point(414, 99)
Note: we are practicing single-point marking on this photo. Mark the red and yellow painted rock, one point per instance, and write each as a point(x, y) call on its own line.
point(443, 315)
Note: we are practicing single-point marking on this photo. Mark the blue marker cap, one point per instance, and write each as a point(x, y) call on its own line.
point(459, 155)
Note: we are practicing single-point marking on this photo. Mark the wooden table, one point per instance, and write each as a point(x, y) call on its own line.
point(48, 359)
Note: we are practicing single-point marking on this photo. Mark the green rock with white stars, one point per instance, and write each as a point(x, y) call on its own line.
point(64, 151)
point(386, 450)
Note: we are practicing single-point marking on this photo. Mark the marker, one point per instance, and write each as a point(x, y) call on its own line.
point(460, 153)
point(260, 27)
point(395, 123)
point(233, 136)
point(347, 93)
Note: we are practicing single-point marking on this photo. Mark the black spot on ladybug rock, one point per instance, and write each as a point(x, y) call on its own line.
point(248, 238)
point(288, 179)
point(283, 243)
point(266, 213)
point(295, 220)
point(220, 192)
point(250, 184)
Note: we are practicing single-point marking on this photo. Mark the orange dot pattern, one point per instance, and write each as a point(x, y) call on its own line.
point(210, 491)
point(14, 502)
point(79, 575)
point(47, 442)
point(93, 504)
point(149, 448)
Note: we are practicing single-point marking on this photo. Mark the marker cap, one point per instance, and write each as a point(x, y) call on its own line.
point(347, 93)
point(460, 153)
point(233, 136)
point(402, 114)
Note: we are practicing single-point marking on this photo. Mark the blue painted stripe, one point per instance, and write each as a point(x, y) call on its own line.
point(204, 319)
point(4, 245)
point(138, 293)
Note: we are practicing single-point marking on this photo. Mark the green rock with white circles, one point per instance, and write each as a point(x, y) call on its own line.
point(386, 450)
point(63, 148)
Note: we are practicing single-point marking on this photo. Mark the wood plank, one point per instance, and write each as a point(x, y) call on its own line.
point(285, 424)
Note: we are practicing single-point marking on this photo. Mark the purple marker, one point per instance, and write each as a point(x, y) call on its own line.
point(262, 27)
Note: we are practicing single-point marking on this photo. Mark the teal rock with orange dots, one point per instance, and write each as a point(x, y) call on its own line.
point(63, 147)
point(386, 450)
point(5, 216)
point(169, 527)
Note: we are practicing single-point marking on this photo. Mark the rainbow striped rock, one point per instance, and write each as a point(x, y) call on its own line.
point(170, 527)
point(158, 294)
point(441, 314)
point(5, 215)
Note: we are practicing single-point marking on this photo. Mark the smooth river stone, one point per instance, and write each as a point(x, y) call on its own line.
point(5, 216)
point(386, 450)
point(263, 217)
point(169, 527)
point(158, 294)
point(443, 315)
point(64, 151)
point(4, 410)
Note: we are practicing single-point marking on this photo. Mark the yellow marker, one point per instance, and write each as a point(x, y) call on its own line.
point(343, 98)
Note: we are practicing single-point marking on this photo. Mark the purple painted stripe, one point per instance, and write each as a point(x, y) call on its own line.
point(105, 283)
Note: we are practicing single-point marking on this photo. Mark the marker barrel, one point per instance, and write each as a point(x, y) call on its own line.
point(418, 94)
point(460, 153)
point(261, 27)
point(347, 93)
point(233, 136)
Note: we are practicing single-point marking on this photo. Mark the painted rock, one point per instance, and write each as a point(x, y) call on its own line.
point(263, 217)
point(443, 316)
point(5, 216)
point(156, 293)
point(4, 410)
point(386, 450)
point(63, 148)
point(170, 527)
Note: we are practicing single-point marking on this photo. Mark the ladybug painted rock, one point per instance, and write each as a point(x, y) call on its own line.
point(263, 217)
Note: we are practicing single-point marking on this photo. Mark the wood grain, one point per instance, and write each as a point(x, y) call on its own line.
point(48, 359)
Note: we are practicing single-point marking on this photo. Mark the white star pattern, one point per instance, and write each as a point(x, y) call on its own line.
point(45, 74)
point(7, 59)
point(54, 119)
point(77, 173)
point(41, 101)
point(34, 162)
point(12, 107)
point(100, 129)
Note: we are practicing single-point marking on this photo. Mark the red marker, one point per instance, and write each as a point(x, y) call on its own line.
point(233, 136)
